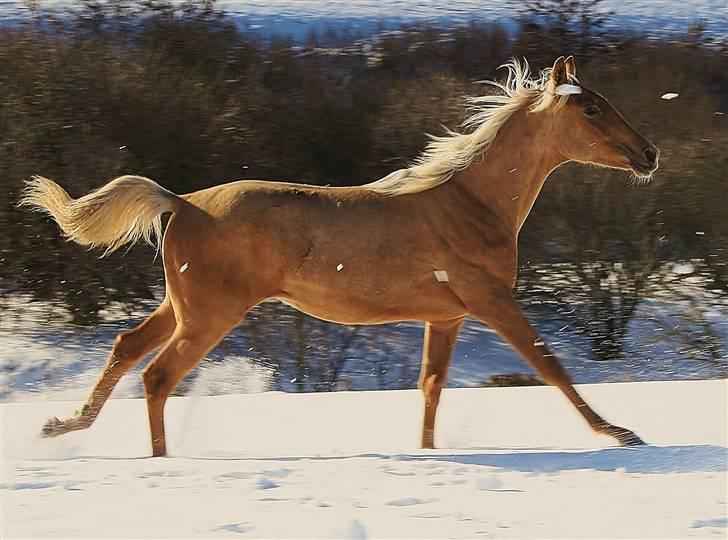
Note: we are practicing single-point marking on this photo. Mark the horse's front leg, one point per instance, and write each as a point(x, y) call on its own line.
point(437, 350)
point(501, 311)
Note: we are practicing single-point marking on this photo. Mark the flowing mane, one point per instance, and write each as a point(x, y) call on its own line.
point(453, 152)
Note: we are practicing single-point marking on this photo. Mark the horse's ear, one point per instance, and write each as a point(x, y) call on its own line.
point(570, 64)
point(558, 72)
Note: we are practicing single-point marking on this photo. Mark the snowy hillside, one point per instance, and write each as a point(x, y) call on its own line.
point(513, 463)
point(298, 18)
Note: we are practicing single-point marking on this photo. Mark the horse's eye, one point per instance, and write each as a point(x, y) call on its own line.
point(591, 110)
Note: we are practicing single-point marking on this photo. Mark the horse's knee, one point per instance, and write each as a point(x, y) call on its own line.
point(433, 375)
point(431, 381)
point(431, 386)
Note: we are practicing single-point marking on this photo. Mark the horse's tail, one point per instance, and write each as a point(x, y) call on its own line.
point(121, 212)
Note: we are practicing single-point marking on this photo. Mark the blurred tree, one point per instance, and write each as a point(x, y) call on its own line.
point(180, 93)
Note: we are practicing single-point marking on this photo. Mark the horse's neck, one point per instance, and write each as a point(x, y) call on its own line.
point(510, 176)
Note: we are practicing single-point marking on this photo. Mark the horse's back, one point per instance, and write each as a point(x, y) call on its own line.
point(264, 231)
point(344, 254)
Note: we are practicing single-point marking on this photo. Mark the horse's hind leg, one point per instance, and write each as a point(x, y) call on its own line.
point(187, 346)
point(129, 349)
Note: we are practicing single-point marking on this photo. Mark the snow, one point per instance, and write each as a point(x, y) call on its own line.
point(299, 18)
point(441, 276)
point(513, 463)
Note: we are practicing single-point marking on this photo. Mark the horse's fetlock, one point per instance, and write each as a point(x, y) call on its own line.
point(604, 427)
point(436, 379)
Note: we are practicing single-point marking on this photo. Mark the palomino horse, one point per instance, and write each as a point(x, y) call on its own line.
point(435, 242)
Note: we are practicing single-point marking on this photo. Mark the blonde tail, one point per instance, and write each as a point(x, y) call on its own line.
point(121, 212)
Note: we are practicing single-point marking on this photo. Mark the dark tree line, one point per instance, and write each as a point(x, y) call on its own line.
point(184, 96)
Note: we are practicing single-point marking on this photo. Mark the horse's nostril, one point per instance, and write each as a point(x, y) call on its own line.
point(651, 154)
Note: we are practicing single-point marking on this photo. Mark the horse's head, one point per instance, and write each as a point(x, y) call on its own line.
point(589, 129)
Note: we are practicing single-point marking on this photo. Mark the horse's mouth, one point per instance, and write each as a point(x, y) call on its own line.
point(636, 162)
point(642, 169)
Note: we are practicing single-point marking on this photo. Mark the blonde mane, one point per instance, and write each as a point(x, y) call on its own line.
point(453, 152)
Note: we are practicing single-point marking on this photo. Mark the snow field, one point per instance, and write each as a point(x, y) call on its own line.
point(513, 463)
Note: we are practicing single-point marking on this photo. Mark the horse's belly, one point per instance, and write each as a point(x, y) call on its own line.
point(377, 307)
point(346, 314)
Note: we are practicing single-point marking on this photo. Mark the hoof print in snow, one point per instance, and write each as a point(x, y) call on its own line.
point(265, 483)
point(354, 530)
point(717, 522)
point(489, 483)
point(407, 501)
point(240, 528)
point(277, 473)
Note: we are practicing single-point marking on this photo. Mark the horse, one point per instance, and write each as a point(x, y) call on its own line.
point(434, 242)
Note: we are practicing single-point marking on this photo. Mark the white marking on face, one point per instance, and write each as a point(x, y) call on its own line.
point(567, 89)
point(441, 276)
point(339, 267)
point(183, 268)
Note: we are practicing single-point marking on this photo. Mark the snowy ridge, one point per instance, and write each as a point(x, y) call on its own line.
point(514, 463)
point(298, 18)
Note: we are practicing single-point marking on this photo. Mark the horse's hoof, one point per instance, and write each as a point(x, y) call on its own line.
point(634, 440)
point(50, 428)
point(627, 438)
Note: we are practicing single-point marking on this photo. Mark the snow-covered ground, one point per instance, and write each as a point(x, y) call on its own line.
point(513, 463)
